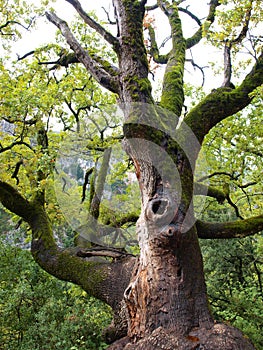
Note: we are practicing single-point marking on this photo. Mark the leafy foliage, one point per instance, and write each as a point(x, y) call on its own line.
point(38, 311)
point(234, 270)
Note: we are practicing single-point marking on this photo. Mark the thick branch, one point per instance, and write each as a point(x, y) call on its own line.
point(93, 24)
point(94, 67)
point(97, 278)
point(13, 201)
point(232, 229)
point(202, 189)
point(119, 222)
point(173, 94)
point(224, 102)
point(102, 251)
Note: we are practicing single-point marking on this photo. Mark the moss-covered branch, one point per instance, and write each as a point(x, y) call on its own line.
point(97, 278)
point(173, 94)
point(198, 35)
point(13, 201)
point(210, 191)
point(154, 50)
point(224, 102)
point(95, 68)
point(232, 229)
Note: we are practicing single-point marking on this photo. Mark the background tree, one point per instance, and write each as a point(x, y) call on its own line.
point(159, 299)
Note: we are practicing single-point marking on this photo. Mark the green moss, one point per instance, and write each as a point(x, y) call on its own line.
point(138, 86)
point(84, 273)
point(173, 93)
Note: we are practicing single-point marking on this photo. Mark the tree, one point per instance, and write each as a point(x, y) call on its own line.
point(159, 298)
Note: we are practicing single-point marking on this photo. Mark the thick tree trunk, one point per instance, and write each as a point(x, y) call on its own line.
point(166, 298)
point(168, 288)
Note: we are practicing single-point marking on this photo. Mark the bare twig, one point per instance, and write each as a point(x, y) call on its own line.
point(94, 25)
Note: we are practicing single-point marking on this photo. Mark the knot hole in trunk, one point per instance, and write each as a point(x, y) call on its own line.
point(160, 210)
point(159, 206)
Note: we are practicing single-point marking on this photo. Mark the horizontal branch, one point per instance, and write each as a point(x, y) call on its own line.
point(13, 144)
point(119, 222)
point(93, 24)
point(232, 229)
point(10, 22)
point(103, 252)
point(95, 68)
point(14, 201)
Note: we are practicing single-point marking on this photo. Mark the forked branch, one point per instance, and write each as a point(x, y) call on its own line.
point(224, 102)
point(95, 68)
point(229, 44)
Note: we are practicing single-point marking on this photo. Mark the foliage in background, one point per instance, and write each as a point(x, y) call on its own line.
point(234, 274)
point(39, 312)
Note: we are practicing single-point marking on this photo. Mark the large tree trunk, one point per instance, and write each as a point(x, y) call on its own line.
point(166, 299)
point(168, 289)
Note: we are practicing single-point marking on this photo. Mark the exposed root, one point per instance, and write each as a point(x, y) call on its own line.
point(219, 337)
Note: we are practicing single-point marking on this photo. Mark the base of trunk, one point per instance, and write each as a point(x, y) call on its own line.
point(219, 337)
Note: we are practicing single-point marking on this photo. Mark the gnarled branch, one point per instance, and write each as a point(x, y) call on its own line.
point(66, 264)
point(94, 67)
point(224, 102)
